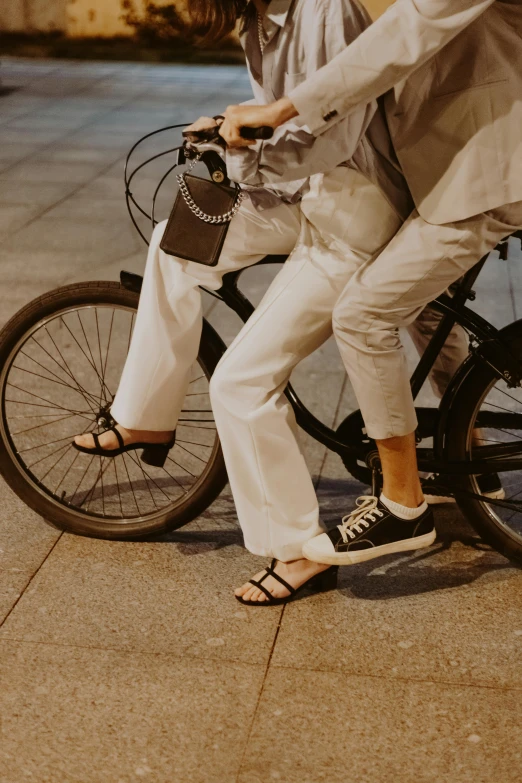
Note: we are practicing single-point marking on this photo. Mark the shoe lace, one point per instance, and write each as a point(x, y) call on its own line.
point(359, 519)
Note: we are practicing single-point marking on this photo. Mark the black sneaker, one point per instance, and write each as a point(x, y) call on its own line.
point(371, 530)
point(489, 485)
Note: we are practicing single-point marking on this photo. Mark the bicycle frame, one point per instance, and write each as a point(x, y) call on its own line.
point(487, 344)
point(491, 348)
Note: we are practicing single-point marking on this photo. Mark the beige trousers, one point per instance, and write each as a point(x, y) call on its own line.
point(342, 223)
point(419, 263)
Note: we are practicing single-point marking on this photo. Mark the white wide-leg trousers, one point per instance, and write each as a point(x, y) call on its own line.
point(167, 331)
point(341, 224)
point(419, 263)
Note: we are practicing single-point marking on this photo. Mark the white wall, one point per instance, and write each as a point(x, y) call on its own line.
point(80, 18)
point(32, 15)
point(95, 18)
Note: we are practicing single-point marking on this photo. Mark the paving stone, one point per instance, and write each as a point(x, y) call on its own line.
point(96, 716)
point(12, 585)
point(14, 217)
point(33, 193)
point(450, 613)
point(326, 727)
point(25, 539)
point(41, 171)
point(50, 234)
point(166, 597)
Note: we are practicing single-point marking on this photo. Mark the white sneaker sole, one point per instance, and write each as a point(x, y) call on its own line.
point(360, 555)
point(439, 500)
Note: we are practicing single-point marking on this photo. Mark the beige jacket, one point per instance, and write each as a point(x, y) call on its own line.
point(455, 112)
point(302, 36)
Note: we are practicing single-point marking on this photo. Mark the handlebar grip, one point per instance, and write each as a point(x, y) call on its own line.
point(265, 132)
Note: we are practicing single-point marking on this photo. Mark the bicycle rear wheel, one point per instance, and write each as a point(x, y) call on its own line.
point(484, 413)
point(61, 358)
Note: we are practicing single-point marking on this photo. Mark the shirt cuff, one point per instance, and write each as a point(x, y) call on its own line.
point(243, 165)
point(317, 118)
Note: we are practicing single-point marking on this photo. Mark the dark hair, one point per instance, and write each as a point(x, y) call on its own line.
point(215, 19)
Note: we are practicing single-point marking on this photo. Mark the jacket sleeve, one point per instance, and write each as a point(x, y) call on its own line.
point(399, 42)
point(294, 153)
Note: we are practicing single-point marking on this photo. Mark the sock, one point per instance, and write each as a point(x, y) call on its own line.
point(403, 512)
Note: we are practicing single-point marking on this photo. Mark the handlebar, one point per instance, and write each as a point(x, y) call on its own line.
point(212, 135)
point(264, 132)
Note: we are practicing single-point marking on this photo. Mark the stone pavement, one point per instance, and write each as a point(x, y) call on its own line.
point(124, 662)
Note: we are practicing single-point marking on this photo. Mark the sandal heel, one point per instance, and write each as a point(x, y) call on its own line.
point(155, 455)
point(326, 581)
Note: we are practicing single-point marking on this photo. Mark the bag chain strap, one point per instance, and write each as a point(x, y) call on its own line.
point(191, 204)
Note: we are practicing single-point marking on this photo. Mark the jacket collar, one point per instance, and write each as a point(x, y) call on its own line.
point(277, 11)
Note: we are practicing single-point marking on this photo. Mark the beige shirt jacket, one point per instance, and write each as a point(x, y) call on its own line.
point(301, 37)
point(454, 71)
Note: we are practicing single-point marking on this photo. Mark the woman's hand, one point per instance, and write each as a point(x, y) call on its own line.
point(203, 124)
point(237, 117)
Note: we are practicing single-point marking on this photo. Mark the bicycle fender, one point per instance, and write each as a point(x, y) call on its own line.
point(468, 366)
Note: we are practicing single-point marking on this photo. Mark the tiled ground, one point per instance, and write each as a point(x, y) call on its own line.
point(124, 662)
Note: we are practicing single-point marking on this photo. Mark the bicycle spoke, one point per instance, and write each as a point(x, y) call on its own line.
point(69, 371)
point(130, 482)
point(118, 487)
point(66, 473)
point(100, 353)
point(145, 474)
point(108, 344)
point(82, 478)
point(43, 445)
point(77, 387)
point(65, 446)
point(65, 369)
point(83, 414)
point(101, 482)
point(182, 467)
point(140, 466)
point(91, 360)
point(50, 403)
point(75, 353)
point(193, 443)
point(42, 479)
point(45, 424)
point(192, 453)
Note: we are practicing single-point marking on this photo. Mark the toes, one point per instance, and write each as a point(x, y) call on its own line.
point(243, 589)
point(87, 441)
point(247, 595)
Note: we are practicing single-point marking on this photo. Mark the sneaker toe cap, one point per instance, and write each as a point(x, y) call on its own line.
point(320, 545)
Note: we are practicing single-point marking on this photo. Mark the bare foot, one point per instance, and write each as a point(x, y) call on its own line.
point(109, 441)
point(296, 573)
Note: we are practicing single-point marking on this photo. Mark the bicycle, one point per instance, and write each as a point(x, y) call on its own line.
point(61, 357)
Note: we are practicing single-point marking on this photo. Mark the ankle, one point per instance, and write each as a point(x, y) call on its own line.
point(411, 497)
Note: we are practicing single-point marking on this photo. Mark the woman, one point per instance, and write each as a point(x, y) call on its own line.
point(330, 223)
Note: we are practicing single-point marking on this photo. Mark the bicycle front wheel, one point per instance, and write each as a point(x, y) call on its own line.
point(486, 413)
point(61, 359)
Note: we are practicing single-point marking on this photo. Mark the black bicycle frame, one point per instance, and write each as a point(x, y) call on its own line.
point(490, 348)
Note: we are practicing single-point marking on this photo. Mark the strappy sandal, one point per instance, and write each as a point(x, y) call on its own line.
point(320, 583)
point(154, 454)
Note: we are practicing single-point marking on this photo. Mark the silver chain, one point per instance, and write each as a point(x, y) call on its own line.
point(191, 204)
point(261, 32)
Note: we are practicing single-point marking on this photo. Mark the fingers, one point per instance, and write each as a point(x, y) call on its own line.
point(230, 131)
point(204, 123)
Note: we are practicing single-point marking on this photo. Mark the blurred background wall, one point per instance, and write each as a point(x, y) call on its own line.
point(86, 18)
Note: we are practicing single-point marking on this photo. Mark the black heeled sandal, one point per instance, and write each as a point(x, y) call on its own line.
point(154, 454)
point(320, 583)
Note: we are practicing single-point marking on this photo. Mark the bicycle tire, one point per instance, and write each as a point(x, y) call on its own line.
point(477, 380)
point(63, 517)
